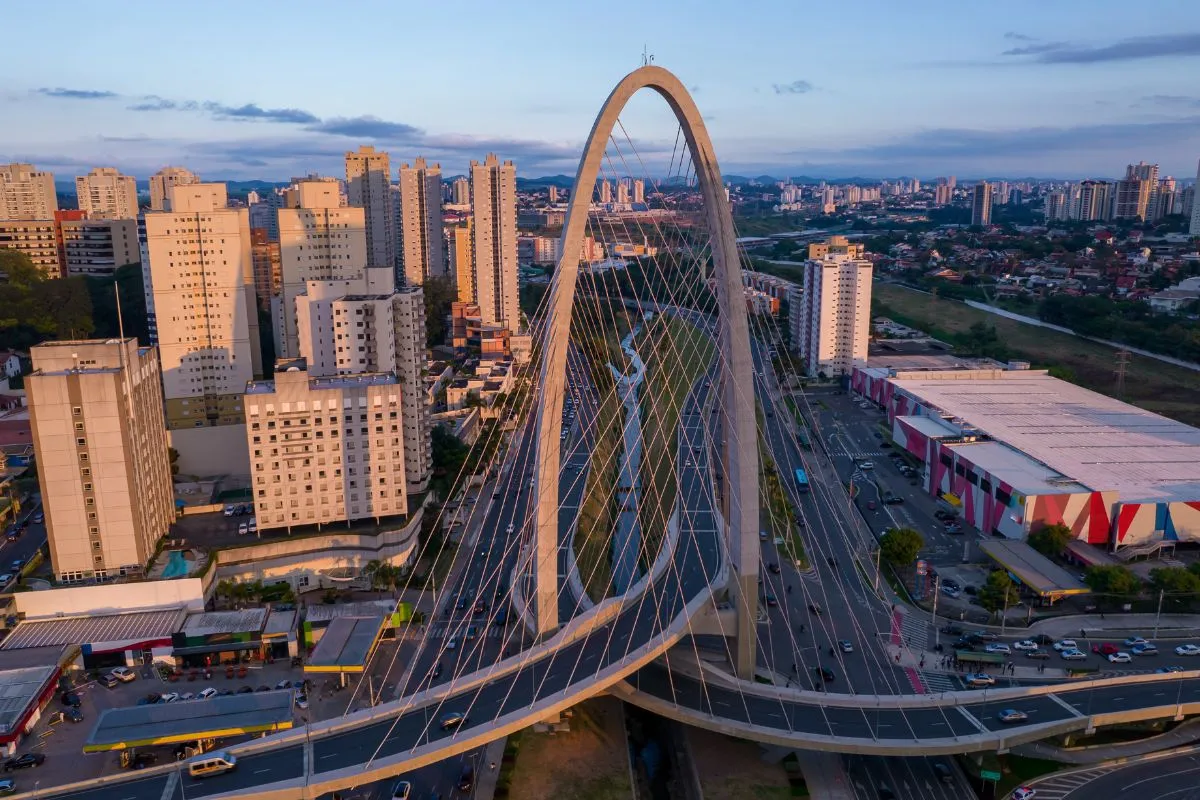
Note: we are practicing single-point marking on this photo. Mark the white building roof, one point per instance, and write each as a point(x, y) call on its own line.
point(207, 623)
point(1102, 443)
point(1018, 470)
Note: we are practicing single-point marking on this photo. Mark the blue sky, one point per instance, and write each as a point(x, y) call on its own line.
point(877, 88)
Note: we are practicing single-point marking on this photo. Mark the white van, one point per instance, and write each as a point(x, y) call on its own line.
point(214, 763)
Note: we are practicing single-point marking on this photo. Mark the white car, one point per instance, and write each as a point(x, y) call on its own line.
point(1024, 793)
point(1120, 657)
point(1132, 640)
point(1187, 650)
point(1073, 654)
point(243, 529)
point(401, 790)
point(187, 696)
point(1025, 644)
point(866, 465)
point(169, 697)
point(124, 674)
point(204, 694)
point(997, 647)
point(1066, 644)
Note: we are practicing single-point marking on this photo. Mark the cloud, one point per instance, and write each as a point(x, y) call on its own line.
point(1171, 100)
point(1136, 48)
point(152, 102)
point(1018, 37)
point(76, 94)
point(253, 112)
point(365, 127)
point(795, 87)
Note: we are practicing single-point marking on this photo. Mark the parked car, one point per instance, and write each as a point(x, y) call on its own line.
point(25, 762)
point(1011, 715)
point(123, 674)
point(1169, 669)
point(73, 714)
point(205, 694)
point(108, 681)
point(142, 760)
point(71, 699)
point(39, 518)
point(169, 697)
point(951, 591)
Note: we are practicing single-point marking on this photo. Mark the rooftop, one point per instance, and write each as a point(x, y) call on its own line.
point(1102, 443)
point(137, 626)
point(19, 688)
point(346, 644)
point(1024, 474)
point(169, 723)
point(322, 612)
point(210, 622)
point(1031, 568)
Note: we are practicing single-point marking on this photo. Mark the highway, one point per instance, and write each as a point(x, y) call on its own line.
point(1169, 778)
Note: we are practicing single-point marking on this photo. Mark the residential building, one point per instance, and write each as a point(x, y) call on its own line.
point(422, 245)
point(368, 186)
point(623, 193)
point(319, 240)
point(552, 194)
point(605, 190)
point(202, 278)
point(37, 239)
point(105, 193)
point(1194, 227)
point(494, 240)
point(836, 307)
point(26, 193)
point(462, 263)
point(639, 190)
point(96, 412)
point(1094, 202)
point(943, 195)
point(1163, 200)
point(265, 213)
point(162, 181)
point(325, 450)
point(981, 204)
point(460, 191)
point(99, 246)
point(1134, 191)
point(1056, 207)
point(265, 261)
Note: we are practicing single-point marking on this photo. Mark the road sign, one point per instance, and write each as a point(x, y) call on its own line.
point(988, 775)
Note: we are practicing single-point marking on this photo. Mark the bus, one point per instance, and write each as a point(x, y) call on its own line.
point(801, 481)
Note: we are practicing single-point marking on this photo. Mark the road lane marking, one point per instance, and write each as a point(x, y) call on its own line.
point(261, 771)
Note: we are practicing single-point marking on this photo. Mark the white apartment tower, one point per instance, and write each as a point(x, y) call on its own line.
point(835, 315)
point(422, 244)
point(319, 240)
point(105, 193)
point(605, 191)
point(96, 412)
point(494, 241)
point(639, 190)
point(202, 280)
point(368, 186)
point(26, 193)
point(1194, 227)
point(162, 181)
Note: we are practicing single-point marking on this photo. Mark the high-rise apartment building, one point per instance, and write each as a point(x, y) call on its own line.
point(623, 193)
point(981, 204)
point(1134, 191)
point(1194, 227)
point(422, 244)
point(494, 241)
point(96, 412)
point(264, 257)
point(835, 315)
point(605, 190)
point(1056, 207)
point(639, 190)
point(462, 263)
point(552, 194)
point(319, 240)
point(368, 186)
point(99, 246)
point(1094, 201)
point(26, 193)
point(942, 193)
point(162, 181)
point(202, 279)
point(37, 239)
point(1001, 192)
point(460, 191)
point(105, 193)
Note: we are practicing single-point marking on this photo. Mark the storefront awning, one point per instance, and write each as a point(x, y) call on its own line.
point(224, 647)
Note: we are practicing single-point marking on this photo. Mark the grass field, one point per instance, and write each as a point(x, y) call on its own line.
point(1153, 385)
point(589, 762)
point(675, 353)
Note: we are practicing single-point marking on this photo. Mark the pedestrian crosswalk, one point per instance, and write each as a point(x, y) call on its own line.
point(916, 632)
point(939, 682)
point(1059, 786)
point(442, 631)
point(862, 455)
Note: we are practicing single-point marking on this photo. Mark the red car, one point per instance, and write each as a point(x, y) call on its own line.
point(1106, 649)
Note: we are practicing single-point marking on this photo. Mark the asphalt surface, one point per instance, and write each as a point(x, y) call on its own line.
point(1173, 778)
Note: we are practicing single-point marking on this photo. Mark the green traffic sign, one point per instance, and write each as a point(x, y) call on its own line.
point(988, 775)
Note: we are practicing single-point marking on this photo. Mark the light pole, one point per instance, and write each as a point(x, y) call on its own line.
point(1004, 613)
point(937, 581)
point(1158, 614)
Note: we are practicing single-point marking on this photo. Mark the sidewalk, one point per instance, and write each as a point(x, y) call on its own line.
point(486, 776)
point(1186, 733)
point(824, 775)
point(1170, 626)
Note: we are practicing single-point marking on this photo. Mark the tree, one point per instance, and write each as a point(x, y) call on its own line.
point(900, 546)
point(998, 592)
point(440, 291)
point(1050, 540)
point(1112, 579)
point(1174, 580)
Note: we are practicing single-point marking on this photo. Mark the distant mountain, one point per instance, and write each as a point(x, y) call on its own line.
point(561, 181)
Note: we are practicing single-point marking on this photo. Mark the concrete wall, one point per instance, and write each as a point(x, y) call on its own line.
point(217, 450)
point(110, 597)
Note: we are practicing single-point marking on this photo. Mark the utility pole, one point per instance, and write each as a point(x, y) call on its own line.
point(878, 552)
point(1122, 366)
point(937, 585)
point(1158, 614)
point(1004, 613)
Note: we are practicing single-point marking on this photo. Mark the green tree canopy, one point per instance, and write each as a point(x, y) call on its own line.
point(440, 292)
point(900, 546)
point(1112, 579)
point(1050, 540)
point(998, 592)
point(1174, 580)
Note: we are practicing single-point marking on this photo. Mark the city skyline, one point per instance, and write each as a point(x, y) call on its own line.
point(1062, 95)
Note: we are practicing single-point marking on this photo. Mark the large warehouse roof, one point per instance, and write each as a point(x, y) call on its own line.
point(1100, 442)
point(138, 626)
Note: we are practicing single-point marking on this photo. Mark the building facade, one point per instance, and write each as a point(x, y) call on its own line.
point(422, 244)
point(96, 410)
point(1194, 227)
point(202, 279)
point(37, 239)
point(462, 262)
point(268, 277)
point(836, 307)
point(460, 191)
point(368, 186)
point(494, 241)
point(981, 204)
point(99, 246)
point(26, 193)
point(162, 181)
point(104, 193)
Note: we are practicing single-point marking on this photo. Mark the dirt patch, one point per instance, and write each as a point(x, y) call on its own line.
point(590, 762)
point(733, 769)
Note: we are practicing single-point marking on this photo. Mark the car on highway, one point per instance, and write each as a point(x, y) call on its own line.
point(1106, 649)
point(814, 609)
point(402, 790)
point(846, 646)
point(1169, 669)
point(1043, 639)
point(985, 636)
point(773, 568)
point(943, 515)
point(452, 643)
point(452, 720)
point(943, 773)
point(6, 578)
point(1038, 654)
point(866, 466)
point(39, 518)
point(480, 607)
point(1011, 715)
point(472, 633)
point(770, 600)
point(1072, 654)
point(123, 674)
point(979, 679)
point(26, 761)
point(1132, 640)
point(824, 673)
point(997, 647)
point(1146, 649)
point(1025, 644)
point(892, 499)
point(1187, 650)
point(1120, 657)
point(1066, 644)
point(954, 529)
point(466, 779)
point(1024, 793)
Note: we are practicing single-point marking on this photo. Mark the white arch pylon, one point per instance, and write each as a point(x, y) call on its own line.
point(740, 500)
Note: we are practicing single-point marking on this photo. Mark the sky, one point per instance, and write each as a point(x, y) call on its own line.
point(870, 88)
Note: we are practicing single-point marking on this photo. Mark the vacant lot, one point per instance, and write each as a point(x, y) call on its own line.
point(590, 762)
point(1153, 385)
point(733, 769)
